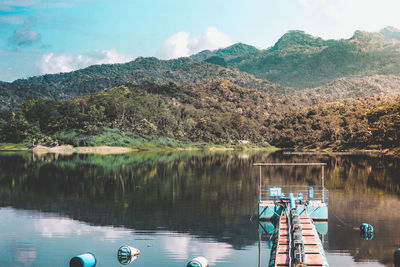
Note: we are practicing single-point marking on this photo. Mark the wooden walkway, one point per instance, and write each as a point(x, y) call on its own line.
point(312, 244)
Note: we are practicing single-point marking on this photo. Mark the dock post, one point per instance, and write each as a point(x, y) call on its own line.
point(259, 249)
point(323, 183)
point(259, 187)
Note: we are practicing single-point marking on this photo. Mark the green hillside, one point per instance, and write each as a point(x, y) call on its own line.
point(217, 112)
point(98, 77)
point(300, 60)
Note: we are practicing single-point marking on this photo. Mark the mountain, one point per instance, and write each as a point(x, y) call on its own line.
point(300, 60)
point(319, 70)
point(98, 77)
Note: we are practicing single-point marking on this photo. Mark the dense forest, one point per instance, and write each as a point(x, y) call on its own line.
point(218, 113)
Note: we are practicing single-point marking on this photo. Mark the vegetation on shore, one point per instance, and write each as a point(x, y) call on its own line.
point(151, 117)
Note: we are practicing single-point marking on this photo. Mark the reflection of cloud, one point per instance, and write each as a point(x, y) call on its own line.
point(53, 63)
point(63, 227)
point(180, 45)
point(24, 255)
point(182, 246)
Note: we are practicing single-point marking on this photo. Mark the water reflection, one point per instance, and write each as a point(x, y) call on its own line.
point(197, 194)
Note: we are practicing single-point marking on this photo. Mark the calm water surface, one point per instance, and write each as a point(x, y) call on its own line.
point(176, 206)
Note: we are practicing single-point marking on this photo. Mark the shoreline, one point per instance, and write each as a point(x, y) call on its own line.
point(112, 150)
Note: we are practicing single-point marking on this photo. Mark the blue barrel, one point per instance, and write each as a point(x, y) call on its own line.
point(397, 258)
point(84, 260)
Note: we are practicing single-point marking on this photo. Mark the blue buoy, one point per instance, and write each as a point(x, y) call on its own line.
point(84, 260)
point(397, 258)
point(366, 228)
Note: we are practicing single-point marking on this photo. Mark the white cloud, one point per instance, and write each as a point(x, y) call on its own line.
point(55, 63)
point(345, 16)
point(181, 45)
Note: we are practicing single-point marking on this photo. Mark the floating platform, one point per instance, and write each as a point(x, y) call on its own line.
point(316, 198)
point(293, 212)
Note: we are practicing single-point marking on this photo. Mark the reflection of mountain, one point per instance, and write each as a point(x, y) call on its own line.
point(202, 193)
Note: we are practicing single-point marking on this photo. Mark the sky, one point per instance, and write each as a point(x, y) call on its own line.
point(51, 36)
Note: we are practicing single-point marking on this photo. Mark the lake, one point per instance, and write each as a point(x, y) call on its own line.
point(176, 206)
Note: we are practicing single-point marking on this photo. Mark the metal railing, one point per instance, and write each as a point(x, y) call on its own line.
point(317, 192)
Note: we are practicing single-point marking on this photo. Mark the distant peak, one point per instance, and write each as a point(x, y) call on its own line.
point(389, 29)
point(297, 38)
point(391, 32)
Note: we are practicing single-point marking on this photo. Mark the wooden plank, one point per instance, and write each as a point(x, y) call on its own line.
point(314, 259)
point(283, 240)
point(283, 248)
point(282, 259)
point(311, 249)
point(309, 240)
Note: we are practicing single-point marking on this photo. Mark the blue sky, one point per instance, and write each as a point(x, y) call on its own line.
point(50, 36)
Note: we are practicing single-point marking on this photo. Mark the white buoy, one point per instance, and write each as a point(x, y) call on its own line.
point(127, 254)
point(198, 262)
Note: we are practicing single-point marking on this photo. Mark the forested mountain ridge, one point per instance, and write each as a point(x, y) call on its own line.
point(297, 60)
point(98, 77)
point(300, 60)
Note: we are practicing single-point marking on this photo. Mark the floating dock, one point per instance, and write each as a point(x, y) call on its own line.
point(291, 211)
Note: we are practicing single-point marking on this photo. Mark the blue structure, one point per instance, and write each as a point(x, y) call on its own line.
point(311, 200)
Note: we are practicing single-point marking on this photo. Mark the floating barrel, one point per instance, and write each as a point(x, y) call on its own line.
point(397, 258)
point(84, 260)
point(366, 228)
point(198, 262)
point(127, 254)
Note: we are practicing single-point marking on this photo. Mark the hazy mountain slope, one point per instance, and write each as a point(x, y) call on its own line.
point(300, 60)
point(98, 77)
point(356, 87)
point(391, 32)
